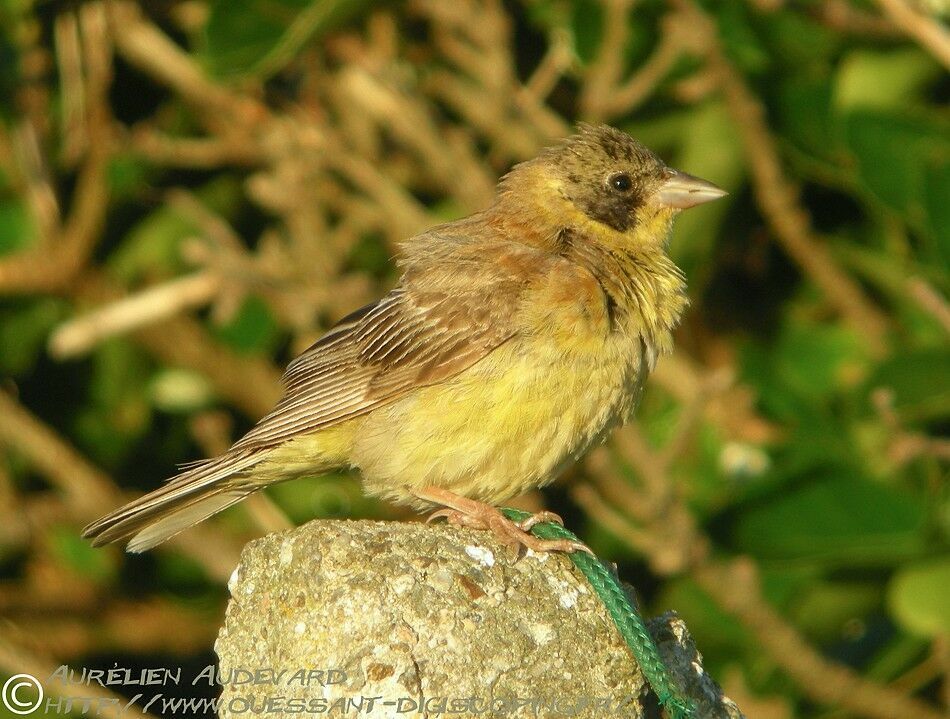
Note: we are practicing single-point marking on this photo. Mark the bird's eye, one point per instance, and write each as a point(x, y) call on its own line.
point(621, 182)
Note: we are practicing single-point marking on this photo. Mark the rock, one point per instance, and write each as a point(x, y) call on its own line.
point(407, 619)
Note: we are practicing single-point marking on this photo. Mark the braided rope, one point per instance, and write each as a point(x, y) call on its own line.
point(628, 621)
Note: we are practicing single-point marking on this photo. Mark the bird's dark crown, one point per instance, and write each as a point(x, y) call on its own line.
point(606, 173)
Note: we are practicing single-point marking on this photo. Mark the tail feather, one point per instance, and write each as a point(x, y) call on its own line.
point(186, 499)
point(176, 519)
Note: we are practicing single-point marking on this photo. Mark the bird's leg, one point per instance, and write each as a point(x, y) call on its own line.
point(466, 512)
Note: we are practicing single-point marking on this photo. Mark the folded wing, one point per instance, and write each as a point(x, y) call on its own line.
point(441, 320)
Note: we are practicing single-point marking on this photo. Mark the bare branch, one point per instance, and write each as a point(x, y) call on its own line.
point(15, 659)
point(80, 335)
point(777, 196)
point(88, 491)
point(604, 72)
point(928, 32)
point(736, 587)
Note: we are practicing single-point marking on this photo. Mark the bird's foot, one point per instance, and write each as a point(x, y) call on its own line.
point(464, 512)
point(539, 518)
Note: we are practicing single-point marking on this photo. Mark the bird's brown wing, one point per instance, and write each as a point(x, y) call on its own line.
point(448, 313)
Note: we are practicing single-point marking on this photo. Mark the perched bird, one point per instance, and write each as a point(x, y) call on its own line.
point(515, 339)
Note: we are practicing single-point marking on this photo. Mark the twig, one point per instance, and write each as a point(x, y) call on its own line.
point(79, 335)
point(87, 490)
point(408, 216)
point(296, 34)
point(29, 170)
point(905, 445)
point(671, 541)
point(253, 385)
point(930, 300)
point(604, 72)
point(84, 486)
point(666, 551)
point(15, 660)
point(64, 247)
point(550, 70)
point(74, 617)
point(480, 110)
point(736, 587)
point(202, 153)
point(841, 16)
point(712, 385)
point(529, 98)
point(150, 50)
point(921, 674)
point(777, 196)
point(267, 516)
point(639, 86)
point(929, 33)
point(72, 94)
point(412, 123)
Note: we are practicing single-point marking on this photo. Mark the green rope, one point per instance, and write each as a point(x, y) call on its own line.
point(628, 621)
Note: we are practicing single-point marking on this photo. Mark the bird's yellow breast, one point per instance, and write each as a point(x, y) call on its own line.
point(507, 424)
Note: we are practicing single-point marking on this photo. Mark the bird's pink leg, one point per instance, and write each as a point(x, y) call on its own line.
point(466, 512)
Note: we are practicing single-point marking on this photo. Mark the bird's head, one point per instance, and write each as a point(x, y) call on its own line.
point(602, 177)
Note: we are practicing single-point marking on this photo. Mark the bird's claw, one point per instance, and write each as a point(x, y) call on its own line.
point(513, 534)
point(540, 518)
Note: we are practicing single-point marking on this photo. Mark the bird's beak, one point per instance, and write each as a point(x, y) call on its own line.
point(681, 191)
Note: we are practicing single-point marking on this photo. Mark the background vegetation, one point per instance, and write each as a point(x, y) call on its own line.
point(192, 191)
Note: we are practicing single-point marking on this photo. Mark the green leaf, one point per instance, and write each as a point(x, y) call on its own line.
point(24, 327)
point(180, 391)
point(920, 381)
point(805, 367)
point(937, 210)
point(587, 23)
point(883, 80)
point(78, 555)
point(797, 41)
point(903, 162)
point(901, 654)
point(739, 37)
point(919, 597)
point(371, 255)
point(17, 230)
point(252, 330)
point(118, 412)
point(182, 574)
point(328, 495)
point(154, 244)
point(710, 149)
point(259, 37)
point(805, 113)
point(547, 15)
point(825, 607)
point(127, 175)
point(120, 373)
point(835, 517)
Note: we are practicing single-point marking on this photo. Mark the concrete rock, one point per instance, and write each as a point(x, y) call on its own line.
point(353, 618)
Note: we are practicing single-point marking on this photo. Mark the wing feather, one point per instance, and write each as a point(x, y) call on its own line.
point(437, 323)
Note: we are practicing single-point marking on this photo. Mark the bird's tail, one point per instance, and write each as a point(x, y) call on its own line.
point(188, 498)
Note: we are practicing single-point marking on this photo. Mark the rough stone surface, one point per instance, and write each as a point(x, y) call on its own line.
point(428, 621)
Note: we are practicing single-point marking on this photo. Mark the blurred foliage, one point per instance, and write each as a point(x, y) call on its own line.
point(833, 481)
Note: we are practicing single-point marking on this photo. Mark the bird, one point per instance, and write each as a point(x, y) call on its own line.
point(515, 340)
